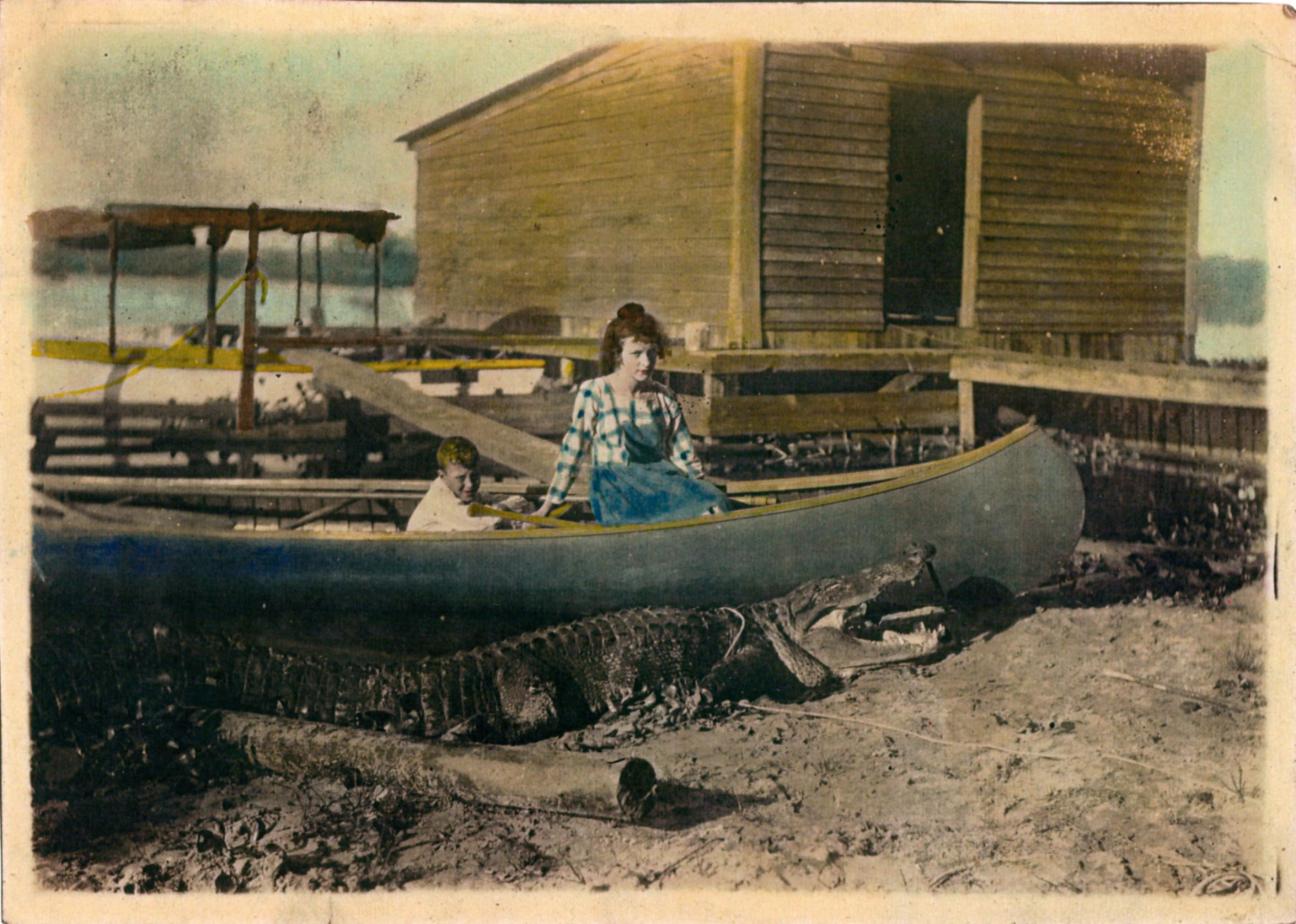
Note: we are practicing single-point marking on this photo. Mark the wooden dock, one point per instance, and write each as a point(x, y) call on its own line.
point(1193, 412)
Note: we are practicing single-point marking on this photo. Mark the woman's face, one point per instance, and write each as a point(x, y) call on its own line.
point(638, 357)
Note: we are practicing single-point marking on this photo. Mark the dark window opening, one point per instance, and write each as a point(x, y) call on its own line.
point(923, 262)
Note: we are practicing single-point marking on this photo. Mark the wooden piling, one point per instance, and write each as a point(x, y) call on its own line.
point(377, 281)
point(297, 319)
point(317, 317)
point(966, 416)
point(213, 249)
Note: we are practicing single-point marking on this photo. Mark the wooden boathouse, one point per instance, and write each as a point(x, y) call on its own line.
point(822, 213)
point(817, 195)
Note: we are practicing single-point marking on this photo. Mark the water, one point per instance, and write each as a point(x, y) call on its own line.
point(76, 307)
point(1232, 341)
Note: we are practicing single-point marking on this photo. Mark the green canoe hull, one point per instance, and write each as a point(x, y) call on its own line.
point(1010, 511)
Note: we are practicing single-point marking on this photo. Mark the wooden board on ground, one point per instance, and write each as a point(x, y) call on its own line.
point(520, 451)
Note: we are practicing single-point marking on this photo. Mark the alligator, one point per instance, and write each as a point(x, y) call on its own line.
point(535, 685)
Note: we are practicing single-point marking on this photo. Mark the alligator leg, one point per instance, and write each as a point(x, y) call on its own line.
point(814, 675)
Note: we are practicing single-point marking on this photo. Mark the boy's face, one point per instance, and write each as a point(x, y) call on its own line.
point(462, 481)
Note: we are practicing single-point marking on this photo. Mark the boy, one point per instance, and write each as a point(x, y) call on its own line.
point(445, 506)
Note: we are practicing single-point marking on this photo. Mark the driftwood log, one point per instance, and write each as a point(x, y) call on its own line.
point(497, 775)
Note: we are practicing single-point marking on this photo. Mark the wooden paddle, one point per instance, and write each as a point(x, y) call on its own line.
point(485, 510)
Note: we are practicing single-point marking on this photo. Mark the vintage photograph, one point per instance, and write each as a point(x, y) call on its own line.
point(586, 457)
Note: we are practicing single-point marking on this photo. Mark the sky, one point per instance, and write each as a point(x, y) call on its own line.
point(1235, 160)
point(287, 109)
point(170, 115)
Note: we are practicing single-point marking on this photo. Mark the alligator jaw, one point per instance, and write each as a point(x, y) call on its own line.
point(827, 603)
point(848, 656)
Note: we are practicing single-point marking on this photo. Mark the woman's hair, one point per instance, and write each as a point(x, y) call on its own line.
point(631, 322)
point(456, 449)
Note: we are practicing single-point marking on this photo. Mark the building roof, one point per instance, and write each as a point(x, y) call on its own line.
point(536, 79)
point(1176, 65)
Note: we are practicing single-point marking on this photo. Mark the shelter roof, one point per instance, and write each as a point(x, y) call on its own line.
point(154, 225)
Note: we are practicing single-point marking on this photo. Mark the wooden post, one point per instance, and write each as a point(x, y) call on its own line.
point(744, 315)
point(213, 248)
point(112, 288)
point(247, 404)
point(971, 213)
point(966, 415)
point(317, 317)
point(1191, 255)
point(377, 280)
point(297, 321)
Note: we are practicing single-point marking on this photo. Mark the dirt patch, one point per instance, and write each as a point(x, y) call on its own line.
point(1013, 764)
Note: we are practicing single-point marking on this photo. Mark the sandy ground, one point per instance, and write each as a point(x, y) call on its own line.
point(1037, 773)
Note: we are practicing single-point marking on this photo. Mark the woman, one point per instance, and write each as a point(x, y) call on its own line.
point(645, 470)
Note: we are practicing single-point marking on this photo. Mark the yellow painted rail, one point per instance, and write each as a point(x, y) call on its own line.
point(194, 356)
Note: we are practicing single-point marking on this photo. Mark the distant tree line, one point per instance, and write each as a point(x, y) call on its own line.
point(344, 262)
point(1231, 291)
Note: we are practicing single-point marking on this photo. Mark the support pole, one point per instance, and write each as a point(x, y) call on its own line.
point(972, 213)
point(247, 404)
point(213, 248)
point(297, 320)
point(112, 288)
point(1192, 256)
point(966, 415)
point(377, 280)
point(317, 319)
point(743, 317)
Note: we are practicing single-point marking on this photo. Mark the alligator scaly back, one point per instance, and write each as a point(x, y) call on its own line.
point(531, 686)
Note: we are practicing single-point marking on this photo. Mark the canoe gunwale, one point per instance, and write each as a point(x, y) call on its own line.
point(939, 469)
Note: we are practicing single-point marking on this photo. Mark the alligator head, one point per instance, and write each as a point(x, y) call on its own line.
point(827, 601)
point(814, 617)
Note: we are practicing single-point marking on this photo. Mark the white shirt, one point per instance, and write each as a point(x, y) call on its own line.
point(440, 511)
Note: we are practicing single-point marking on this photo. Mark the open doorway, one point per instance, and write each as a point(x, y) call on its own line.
point(923, 262)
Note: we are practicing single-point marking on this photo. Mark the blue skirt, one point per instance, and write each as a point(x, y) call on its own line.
point(650, 492)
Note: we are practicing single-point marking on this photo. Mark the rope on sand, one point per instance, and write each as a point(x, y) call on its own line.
point(945, 742)
point(975, 745)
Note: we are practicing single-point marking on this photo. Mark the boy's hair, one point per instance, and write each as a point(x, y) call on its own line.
point(457, 449)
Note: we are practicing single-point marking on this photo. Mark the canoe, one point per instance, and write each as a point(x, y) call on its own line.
point(1009, 511)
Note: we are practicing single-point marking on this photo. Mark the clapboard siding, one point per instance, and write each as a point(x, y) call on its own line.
point(609, 184)
point(1099, 175)
point(1084, 190)
point(616, 179)
point(823, 199)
